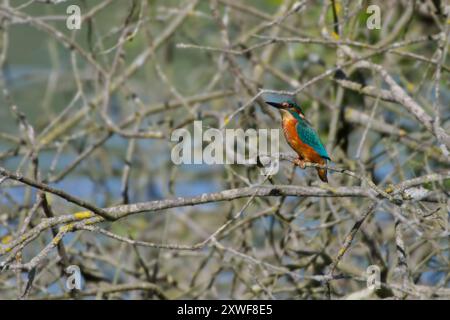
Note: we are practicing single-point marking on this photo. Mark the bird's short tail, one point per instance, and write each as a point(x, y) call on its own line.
point(322, 174)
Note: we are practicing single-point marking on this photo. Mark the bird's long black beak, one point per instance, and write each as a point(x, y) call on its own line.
point(274, 104)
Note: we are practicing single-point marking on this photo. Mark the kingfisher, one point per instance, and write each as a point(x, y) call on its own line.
point(301, 136)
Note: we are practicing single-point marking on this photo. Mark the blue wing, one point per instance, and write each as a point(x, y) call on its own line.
point(309, 136)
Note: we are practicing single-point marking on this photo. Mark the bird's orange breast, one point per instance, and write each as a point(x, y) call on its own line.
point(305, 152)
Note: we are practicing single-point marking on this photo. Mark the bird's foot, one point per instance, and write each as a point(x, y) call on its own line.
point(300, 163)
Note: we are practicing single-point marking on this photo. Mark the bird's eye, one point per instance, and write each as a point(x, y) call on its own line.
point(285, 104)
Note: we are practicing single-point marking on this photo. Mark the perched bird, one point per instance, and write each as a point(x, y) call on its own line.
point(301, 136)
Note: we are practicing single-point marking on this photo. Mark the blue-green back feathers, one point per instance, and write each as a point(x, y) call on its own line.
point(309, 136)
